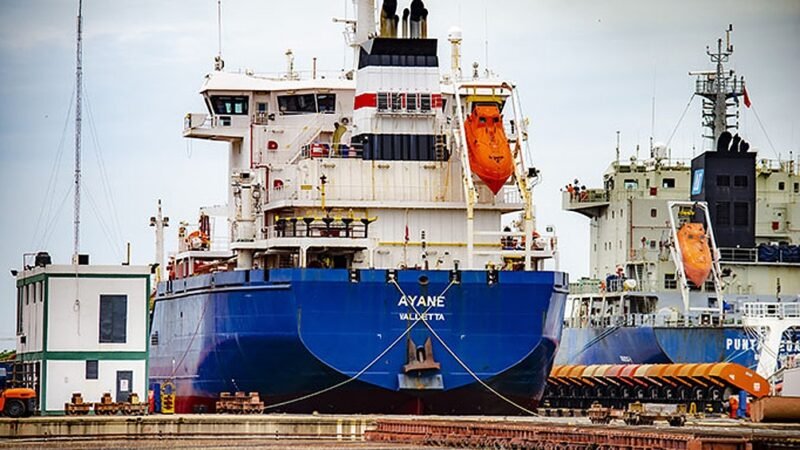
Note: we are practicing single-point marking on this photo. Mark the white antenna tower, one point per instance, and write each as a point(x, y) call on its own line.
point(219, 64)
point(78, 95)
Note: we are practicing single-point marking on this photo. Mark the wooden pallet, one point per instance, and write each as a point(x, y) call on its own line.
point(77, 407)
point(239, 403)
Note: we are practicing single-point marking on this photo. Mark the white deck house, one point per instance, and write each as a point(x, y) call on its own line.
point(82, 328)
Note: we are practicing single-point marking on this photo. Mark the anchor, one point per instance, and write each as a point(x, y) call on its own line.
point(420, 358)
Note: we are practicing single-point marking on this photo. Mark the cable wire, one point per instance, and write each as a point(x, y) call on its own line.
point(761, 124)
point(49, 197)
point(674, 130)
point(368, 366)
point(462, 363)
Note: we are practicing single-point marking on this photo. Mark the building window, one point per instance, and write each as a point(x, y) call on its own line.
point(797, 188)
point(781, 185)
point(612, 214)
point(154, 338)
point(740, 181)
point(226, 104)
point(652, 245)
point(723, 180)
point(669, 281)
point(723, 213)
point(668, 183)
point(91, 369)
point(28, 289)
point(740, 214)
point(113, 319)
point(653, 212)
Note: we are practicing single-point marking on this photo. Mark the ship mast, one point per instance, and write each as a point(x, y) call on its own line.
point(78, 95)
point(720, 90)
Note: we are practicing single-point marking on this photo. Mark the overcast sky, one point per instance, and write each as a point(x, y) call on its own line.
point(585, 69)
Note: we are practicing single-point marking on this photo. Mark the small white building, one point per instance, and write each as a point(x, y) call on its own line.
point(82, 328)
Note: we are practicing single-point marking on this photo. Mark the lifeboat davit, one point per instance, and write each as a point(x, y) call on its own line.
point(489, 152)
point(695, 251)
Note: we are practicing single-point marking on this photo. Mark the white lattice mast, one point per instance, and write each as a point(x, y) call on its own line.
point(78, 97)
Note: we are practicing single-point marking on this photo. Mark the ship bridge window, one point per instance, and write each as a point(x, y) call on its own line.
point(228, 104)
point(723, 213)
point(425, 102)
point(740, 181)
point(307, 104)
point(668, 183)
point(326, 103)
point(740, 214)
point(669, 281)
point(631, 184)
point(411, 101)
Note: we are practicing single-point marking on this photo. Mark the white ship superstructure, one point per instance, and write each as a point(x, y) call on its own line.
point(367, 170)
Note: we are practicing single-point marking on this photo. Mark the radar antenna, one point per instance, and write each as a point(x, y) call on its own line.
point(720, 90)
point(219, 64)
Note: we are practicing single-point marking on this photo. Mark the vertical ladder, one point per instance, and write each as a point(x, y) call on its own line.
point(440, 147)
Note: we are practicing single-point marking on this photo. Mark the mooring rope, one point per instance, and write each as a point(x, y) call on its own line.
point(462, 363)
point(367, 367)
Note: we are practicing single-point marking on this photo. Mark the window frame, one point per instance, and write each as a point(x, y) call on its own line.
point(92, 369)
point(109, 330)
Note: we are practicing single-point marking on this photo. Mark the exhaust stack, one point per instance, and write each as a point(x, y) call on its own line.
point(389, 19)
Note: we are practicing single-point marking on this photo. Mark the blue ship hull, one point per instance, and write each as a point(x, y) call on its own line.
point(663, 345)
point(329, 340)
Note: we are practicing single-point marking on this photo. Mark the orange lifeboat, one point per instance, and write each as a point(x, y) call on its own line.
point(489, 152)
point(695, 251)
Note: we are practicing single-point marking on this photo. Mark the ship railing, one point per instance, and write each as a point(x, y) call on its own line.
point(777, 310)
point(776, 254)
point(203, 121)
point(588, 196)
point(511, 195)
point(336, 191)
point(325, 150)
point(316, 227)
point(196, 120)
point(727, 254)
point(708, 86)
point(601, 321)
